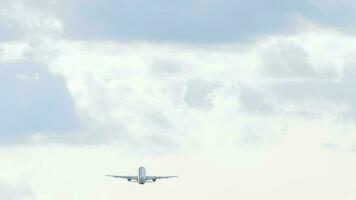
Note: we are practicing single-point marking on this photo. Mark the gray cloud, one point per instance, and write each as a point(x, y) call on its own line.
point(287, 60)
point(15, 192)
point(197, 94)
point(28, 20)
point(339, 92)
point(254, 100)
point(211, 21)
point(32, 100)
point(304, 93)
point(193, 21)
point(164, 67)
point(302, 88)
point(159, 119)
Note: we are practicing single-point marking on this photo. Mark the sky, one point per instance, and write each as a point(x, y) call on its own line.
point(241, 99)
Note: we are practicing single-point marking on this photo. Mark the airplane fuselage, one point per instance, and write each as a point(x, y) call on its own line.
point(141, 175)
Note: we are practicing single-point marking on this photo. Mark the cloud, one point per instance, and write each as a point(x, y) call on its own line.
point(195, 21)
point(318, 92)
point(185, 21)
point(28, 20)
point(197, 94)
point(133, 93)
point(285, 60)
point(164, 67)
point(254, 100)
point(274, 116)
point(33, 101)
point(340, 14)
point(15, 192)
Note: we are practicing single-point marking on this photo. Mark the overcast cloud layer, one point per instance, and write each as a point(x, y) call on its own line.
point(258, 95)
point(196, 21)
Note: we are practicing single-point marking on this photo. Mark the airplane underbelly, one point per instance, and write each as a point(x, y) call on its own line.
point(142, 175)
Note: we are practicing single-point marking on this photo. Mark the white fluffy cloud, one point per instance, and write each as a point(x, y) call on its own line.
point(166, 93)
point(28, 20)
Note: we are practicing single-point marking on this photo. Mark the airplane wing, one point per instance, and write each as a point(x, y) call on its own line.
point(129, 178)
point(154, 178)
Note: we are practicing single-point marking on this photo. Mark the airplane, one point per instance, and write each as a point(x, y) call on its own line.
point(142, 178)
